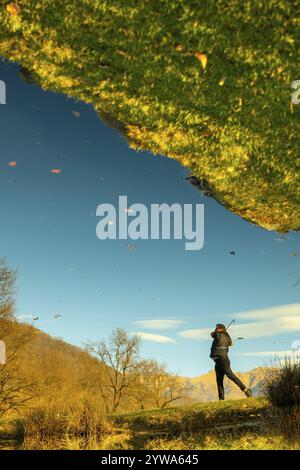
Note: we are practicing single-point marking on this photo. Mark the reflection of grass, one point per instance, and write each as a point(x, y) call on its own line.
point(230, 123)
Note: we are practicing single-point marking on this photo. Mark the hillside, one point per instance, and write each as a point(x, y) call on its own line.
point(44, 368)
point(209, 86)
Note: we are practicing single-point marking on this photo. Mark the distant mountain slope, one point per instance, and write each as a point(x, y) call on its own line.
point(203, 388)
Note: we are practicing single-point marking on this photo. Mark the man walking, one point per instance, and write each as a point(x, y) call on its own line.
point(219, 353)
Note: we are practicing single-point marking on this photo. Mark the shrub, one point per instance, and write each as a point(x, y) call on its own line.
point(83, 417)
point(282, 388)
point(282, 383)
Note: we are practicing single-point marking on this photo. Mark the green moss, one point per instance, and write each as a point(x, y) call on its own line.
point(230, 123)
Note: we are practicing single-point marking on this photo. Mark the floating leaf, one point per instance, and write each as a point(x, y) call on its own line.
point(202, 58)
point(56, 171)
point(12, 164)
point(13, 9)
point(207, 133)
point(131, 247)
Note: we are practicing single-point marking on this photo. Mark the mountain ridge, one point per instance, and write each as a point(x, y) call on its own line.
point(203, 388)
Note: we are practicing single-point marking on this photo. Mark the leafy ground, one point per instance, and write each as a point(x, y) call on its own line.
point(207, 83)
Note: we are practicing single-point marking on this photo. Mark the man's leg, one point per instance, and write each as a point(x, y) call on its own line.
point(220, 379)
point(228, 372)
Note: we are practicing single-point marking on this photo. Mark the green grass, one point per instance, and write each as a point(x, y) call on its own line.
point(236, 424)
point(134, 61)
point(195, 417)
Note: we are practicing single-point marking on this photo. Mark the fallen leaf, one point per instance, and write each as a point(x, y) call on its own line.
point(292, 107)
point(180, 48)
point(13, 9)
point(207, 133)
point(202, 58)
point(12, 164)
point(222, 81)
point(76, 114)
point(56, 171)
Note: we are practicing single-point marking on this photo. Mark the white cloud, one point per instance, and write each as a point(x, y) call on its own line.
point(160, 324)
point(266, 353)
point(270, 313)
point(155, 338)
point(266, 322)
point(201, 333)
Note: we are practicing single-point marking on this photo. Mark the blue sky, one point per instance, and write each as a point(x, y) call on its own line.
point(48, 233)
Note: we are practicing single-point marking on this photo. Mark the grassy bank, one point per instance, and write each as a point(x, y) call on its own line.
point(236, 424)
point(182, 80)
point(194, 418)
point(169, 420)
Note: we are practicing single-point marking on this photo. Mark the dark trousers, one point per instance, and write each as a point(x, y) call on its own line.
point(223, 368)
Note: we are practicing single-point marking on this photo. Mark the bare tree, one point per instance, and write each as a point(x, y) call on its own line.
point(141, 389)
point(7, 290)
point(119, 358)
point(167, 388)
point(15, 390)
point(152, 385)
